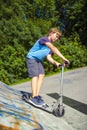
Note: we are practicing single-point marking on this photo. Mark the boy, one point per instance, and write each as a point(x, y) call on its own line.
point(42, 48)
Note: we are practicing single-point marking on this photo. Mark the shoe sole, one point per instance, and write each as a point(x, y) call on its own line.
point(32, 103)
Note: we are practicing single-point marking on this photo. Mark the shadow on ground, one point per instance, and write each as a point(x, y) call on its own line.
point(71, 102)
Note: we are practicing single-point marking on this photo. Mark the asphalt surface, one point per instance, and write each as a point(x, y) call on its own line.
point(15, 114)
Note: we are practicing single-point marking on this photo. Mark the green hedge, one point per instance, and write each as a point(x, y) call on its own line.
point(12, 63)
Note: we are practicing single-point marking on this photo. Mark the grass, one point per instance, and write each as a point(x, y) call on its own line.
point(20, 81)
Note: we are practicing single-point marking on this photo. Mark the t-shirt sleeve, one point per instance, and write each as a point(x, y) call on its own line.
point(43, 41)
point(51, 53)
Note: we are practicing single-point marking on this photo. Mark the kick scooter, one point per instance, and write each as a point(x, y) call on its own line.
point(59, 111)
point(56, 108)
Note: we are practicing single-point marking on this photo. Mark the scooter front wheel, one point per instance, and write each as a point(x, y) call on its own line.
point(25, 96)
point(57, 112)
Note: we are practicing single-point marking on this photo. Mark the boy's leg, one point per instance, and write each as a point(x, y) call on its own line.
point(36, 84)
point(39, 83)
point(36, 71)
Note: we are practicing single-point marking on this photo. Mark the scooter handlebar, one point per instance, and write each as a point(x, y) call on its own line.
point(64, 64)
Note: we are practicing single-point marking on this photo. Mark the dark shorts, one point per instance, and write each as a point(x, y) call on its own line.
point(34, 67)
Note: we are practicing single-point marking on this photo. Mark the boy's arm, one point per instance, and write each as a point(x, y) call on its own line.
point(56, 51)
point(50, 59)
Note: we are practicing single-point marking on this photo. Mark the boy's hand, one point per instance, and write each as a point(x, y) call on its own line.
point(66, 62)
point(57, 63)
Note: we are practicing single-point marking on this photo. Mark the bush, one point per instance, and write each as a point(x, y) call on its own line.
point(75, 52)
point(13, 63)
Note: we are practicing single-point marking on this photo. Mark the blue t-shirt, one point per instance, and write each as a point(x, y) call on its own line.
point(39, 51)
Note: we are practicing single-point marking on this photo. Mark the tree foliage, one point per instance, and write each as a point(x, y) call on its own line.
point(22, 22)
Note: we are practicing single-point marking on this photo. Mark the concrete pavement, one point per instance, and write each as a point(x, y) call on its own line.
point(15, 114)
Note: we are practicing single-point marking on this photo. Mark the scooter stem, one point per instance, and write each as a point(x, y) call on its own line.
point(61, 86)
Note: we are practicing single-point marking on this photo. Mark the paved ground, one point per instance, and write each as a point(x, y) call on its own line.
point(18, 115)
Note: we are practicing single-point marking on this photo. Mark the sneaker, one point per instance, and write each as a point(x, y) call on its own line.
point(40, 98)
point(36, 101)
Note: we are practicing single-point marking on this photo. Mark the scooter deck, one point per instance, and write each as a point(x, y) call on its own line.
point(44, 107)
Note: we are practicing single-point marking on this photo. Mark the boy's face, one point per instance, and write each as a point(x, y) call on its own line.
point(54, 37)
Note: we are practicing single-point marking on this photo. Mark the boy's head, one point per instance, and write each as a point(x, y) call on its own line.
point(54, 34)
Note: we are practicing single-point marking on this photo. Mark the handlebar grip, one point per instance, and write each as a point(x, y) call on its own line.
point(66, 63)
point(60, 65)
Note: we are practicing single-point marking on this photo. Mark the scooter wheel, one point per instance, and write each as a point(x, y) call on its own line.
point(57, 113)
point(25, 96)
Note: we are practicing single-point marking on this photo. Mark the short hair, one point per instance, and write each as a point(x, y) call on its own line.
point(55, 30)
